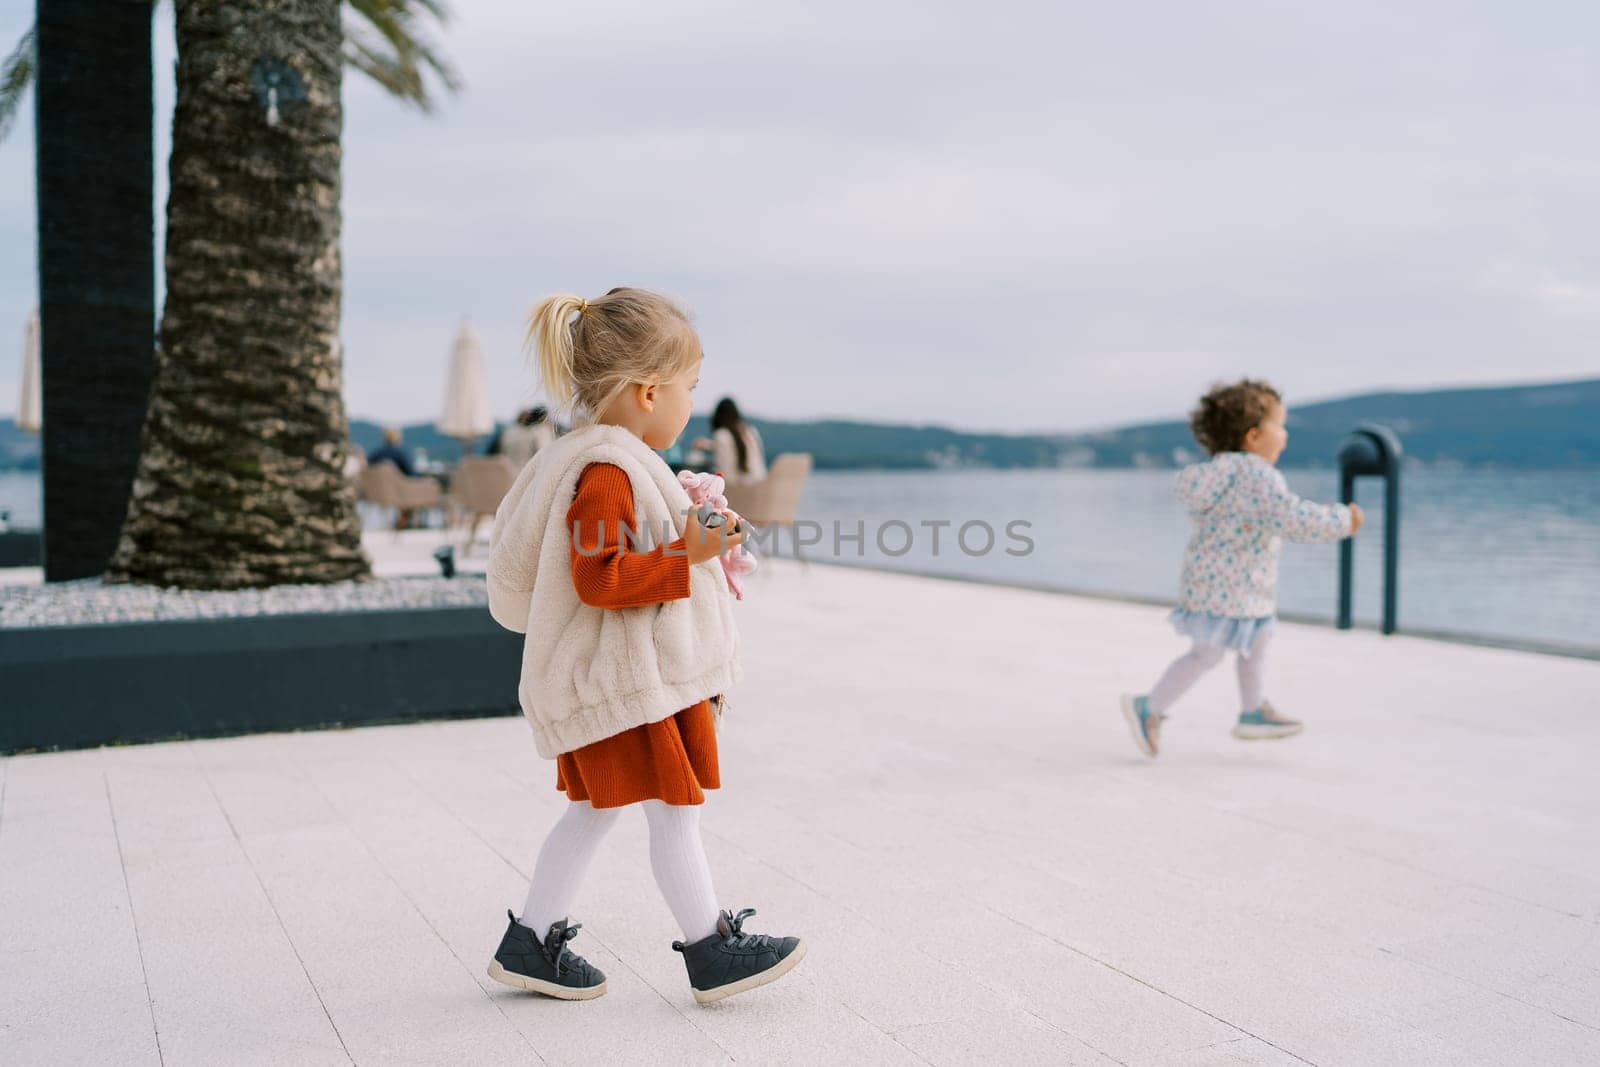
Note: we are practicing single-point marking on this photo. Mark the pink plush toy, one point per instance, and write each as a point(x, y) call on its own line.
point(707, 489)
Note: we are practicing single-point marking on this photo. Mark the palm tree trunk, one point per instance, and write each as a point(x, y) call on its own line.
point(241, 481)
point(96, 269)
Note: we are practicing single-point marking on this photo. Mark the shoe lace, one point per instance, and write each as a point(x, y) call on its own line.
point(736, 934)
point(555, 945)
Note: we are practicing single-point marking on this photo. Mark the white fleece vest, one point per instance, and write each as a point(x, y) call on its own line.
point(587, 672)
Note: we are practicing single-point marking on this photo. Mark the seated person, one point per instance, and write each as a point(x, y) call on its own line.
point(735, 446)
point(390, 450)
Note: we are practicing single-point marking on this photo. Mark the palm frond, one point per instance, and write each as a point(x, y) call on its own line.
point(389, 45)
point(392, 47)
point(16, 74)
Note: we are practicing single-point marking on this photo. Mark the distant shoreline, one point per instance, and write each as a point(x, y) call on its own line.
point(1288, 463)
point(1563, 649)
point(1555, 426)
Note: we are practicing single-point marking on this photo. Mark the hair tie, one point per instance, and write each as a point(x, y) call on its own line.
point(583, 305)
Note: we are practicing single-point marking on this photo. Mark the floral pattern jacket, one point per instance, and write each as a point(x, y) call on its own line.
point(1243, 510)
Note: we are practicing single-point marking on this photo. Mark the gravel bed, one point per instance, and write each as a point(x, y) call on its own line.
point(90, 600)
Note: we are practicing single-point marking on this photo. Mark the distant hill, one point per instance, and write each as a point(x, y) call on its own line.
point(1555, 425)
point(840, 445)
point(369, 435)
point(833, 444)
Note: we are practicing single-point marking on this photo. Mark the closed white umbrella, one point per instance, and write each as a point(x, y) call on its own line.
point(466, 394)
point(29, 404)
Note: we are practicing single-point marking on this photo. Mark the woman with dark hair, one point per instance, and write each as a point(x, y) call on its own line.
point(736, 449)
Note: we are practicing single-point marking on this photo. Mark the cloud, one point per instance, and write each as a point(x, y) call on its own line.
point(1017, 215)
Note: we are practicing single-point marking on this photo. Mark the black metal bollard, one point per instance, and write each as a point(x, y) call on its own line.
point(1372, 450)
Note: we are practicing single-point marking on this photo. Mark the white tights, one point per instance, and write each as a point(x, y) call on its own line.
point(677, 858)
point(1187, 669)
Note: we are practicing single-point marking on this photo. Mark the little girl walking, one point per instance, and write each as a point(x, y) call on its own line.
point(1242, 510)
point(629, 647)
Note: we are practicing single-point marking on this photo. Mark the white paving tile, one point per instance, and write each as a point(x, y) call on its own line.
point(929, 781)
point(70, 967)
point(224, 978)
point(393, 989)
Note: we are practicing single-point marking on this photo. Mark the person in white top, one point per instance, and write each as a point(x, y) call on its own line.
point(521, 441)
point(736, 449)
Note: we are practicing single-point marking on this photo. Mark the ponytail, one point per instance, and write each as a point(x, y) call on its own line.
point(550, 331)
point(590, 351)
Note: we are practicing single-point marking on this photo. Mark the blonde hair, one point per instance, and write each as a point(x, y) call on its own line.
point(627, 337)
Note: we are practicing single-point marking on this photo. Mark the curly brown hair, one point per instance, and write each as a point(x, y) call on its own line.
point(1228, 412)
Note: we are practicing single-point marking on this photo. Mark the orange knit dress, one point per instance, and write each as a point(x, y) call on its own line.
point(675, 759)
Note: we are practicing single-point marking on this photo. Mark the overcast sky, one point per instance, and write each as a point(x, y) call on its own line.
point(992, 215)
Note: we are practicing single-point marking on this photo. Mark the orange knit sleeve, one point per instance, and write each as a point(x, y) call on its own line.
point(607, 571)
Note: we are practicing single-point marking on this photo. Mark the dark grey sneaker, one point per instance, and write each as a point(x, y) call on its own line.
point(547, 966)
point(731, 961)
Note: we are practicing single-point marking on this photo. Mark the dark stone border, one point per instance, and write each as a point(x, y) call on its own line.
point(21, 548)
point(81, 686)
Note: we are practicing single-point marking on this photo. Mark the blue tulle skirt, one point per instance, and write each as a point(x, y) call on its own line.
point(1239, 635)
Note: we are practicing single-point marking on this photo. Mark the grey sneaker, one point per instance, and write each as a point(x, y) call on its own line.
point(547, 966)
point(731, 961)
